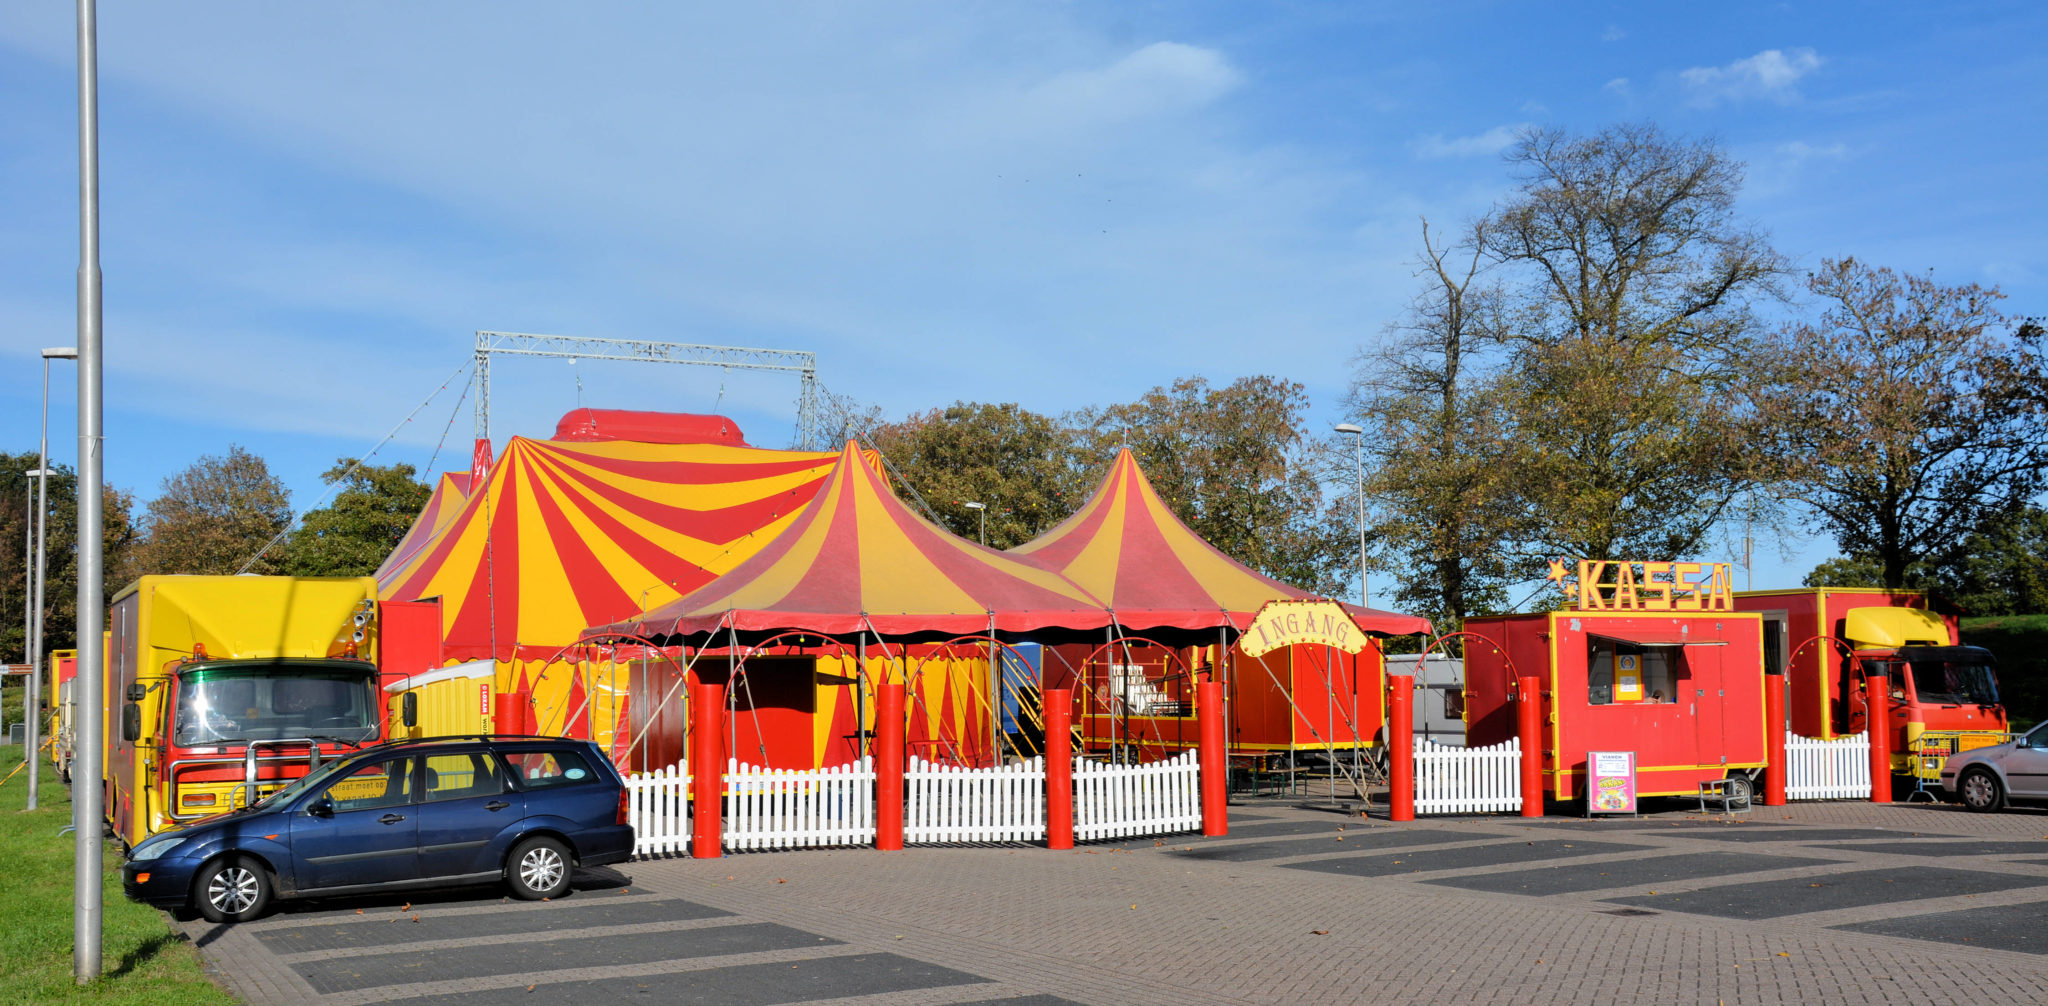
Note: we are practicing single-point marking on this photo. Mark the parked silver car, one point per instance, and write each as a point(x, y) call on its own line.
point(1996, 777)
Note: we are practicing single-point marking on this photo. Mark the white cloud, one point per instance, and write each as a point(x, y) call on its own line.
point(1618, 86)
point(1772, 73)
point(1161, 78)
point(1614, 33)
point(1800, 151)
point(1486, 144)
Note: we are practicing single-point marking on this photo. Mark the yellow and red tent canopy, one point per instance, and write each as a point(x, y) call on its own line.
point(858, 559)
point(561, 535)
point(1126, 547)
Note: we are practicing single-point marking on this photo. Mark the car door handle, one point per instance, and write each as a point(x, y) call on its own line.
point(391, 819)
point(496, 805)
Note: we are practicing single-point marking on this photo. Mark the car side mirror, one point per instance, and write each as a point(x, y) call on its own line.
point(137, 691)
point(323, 807)
point(131, 722)
point(409, 709)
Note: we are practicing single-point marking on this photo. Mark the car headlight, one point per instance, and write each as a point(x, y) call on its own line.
point(156, 848)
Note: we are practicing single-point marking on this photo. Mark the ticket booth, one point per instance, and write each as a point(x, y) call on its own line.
point(1668, 672)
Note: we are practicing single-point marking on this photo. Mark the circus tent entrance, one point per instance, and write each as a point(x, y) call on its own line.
point(1179, 605)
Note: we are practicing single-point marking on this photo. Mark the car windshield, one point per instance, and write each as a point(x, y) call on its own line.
point(304, 783)
point(1948, 682)
point(276, 700)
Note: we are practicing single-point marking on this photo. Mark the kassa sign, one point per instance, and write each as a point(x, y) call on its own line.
point(1301, 623)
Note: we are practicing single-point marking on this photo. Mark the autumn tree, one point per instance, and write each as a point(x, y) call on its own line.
point(1909, 414)
point(212, 517)
point(372, 509)
point(1237, 465)
point(1015, 462)
point(60, 594)
point(1441, 499)
point(1628, 281)
point(1998, 569)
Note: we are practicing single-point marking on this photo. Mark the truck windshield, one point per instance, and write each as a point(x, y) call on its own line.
point(1947, 682)
point(275, 700)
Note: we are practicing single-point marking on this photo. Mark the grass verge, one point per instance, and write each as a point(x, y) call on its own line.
point(146, 961)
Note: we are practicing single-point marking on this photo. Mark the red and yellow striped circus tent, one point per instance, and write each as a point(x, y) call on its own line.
point(1126, 547)
point(562, 535)
point(859, 560)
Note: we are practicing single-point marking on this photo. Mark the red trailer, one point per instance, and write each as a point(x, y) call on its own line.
point(1828, 639)
point(1682, 689)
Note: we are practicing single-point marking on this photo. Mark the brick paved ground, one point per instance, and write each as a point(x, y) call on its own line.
point(1819, 903)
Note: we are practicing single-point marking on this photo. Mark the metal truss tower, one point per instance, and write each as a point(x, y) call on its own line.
point(804, 365)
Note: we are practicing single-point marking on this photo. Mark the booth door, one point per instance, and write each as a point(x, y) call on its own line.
point(1706, 689)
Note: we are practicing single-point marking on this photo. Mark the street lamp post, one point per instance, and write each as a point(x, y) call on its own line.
point(32, 618)
point(35, 674)
point(1357, 433)
point(981, 514)
point(87, 846)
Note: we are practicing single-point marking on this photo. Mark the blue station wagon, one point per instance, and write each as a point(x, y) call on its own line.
point(429, 813)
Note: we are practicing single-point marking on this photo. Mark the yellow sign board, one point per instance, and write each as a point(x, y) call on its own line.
point(1301, 623)
point(1627, 585)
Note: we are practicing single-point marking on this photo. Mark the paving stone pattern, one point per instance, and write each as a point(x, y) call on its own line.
point(1533, 912)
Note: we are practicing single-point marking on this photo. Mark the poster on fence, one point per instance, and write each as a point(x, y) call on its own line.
point(1610, 782)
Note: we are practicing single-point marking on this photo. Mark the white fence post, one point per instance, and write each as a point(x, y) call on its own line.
point(1827, 770)
point(1452, 780)
point(658, 808)
point(948, 803)
point(1123, 801)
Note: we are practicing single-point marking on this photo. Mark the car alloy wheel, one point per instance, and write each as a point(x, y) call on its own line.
point(233, 890)
point(542, 868)
point(1980, 790)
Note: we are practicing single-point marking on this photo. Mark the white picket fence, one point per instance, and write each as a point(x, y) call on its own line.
point(786, 809)
point(947, 803)
point(1121, 801)
point(1452, 780)
point(1827, 770)
point(658, 808)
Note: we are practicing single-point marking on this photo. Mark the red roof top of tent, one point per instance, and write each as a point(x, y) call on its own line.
point(857, 555)
point(1126, 547)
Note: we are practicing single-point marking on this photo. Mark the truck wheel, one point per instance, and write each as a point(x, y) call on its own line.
point(1740, 790)
point(1980, 790)
point(232, 889)
point(538, 868)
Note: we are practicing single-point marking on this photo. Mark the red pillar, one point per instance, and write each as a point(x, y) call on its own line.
point(1059, 768)
point(889, 767)
point(1878, 697)
point(707, 770)
point(1774, 739)
point(1401, 747)
point(1215, 766)
point(1529, 727)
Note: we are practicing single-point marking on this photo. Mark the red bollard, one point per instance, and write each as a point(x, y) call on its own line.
point(1529, 728)
point(1215, 764)
point(1059, 768)
point(1878, 697)
point(1774, 740)
point(707, 770)
point(889, 767)
point(1401, 747)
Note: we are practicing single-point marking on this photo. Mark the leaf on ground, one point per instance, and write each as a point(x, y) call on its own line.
point(1319, 932)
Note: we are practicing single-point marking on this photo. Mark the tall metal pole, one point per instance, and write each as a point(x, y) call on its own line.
point(35, 676)
point(1357, 433)
point(91, 709)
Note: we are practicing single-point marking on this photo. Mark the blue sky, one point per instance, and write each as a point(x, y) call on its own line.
point(308, 210)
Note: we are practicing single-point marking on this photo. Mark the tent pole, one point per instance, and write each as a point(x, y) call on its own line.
point(995, 696)
point(860, 695)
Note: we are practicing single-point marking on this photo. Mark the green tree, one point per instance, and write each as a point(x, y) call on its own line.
point(1015, 462)
point(214, 516)
point(60, 595)
point(1906, 420)
point(1235, 463)
point(1999, 569)
point(1628, 282)
point(352, 535)
point(1438, 486)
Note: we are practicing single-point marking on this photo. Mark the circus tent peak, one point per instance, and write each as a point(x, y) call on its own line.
point(560, 535)
point(858, 559)
point(1128, 548)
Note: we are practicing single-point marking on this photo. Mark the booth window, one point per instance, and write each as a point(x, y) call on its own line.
point(1626, 673)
